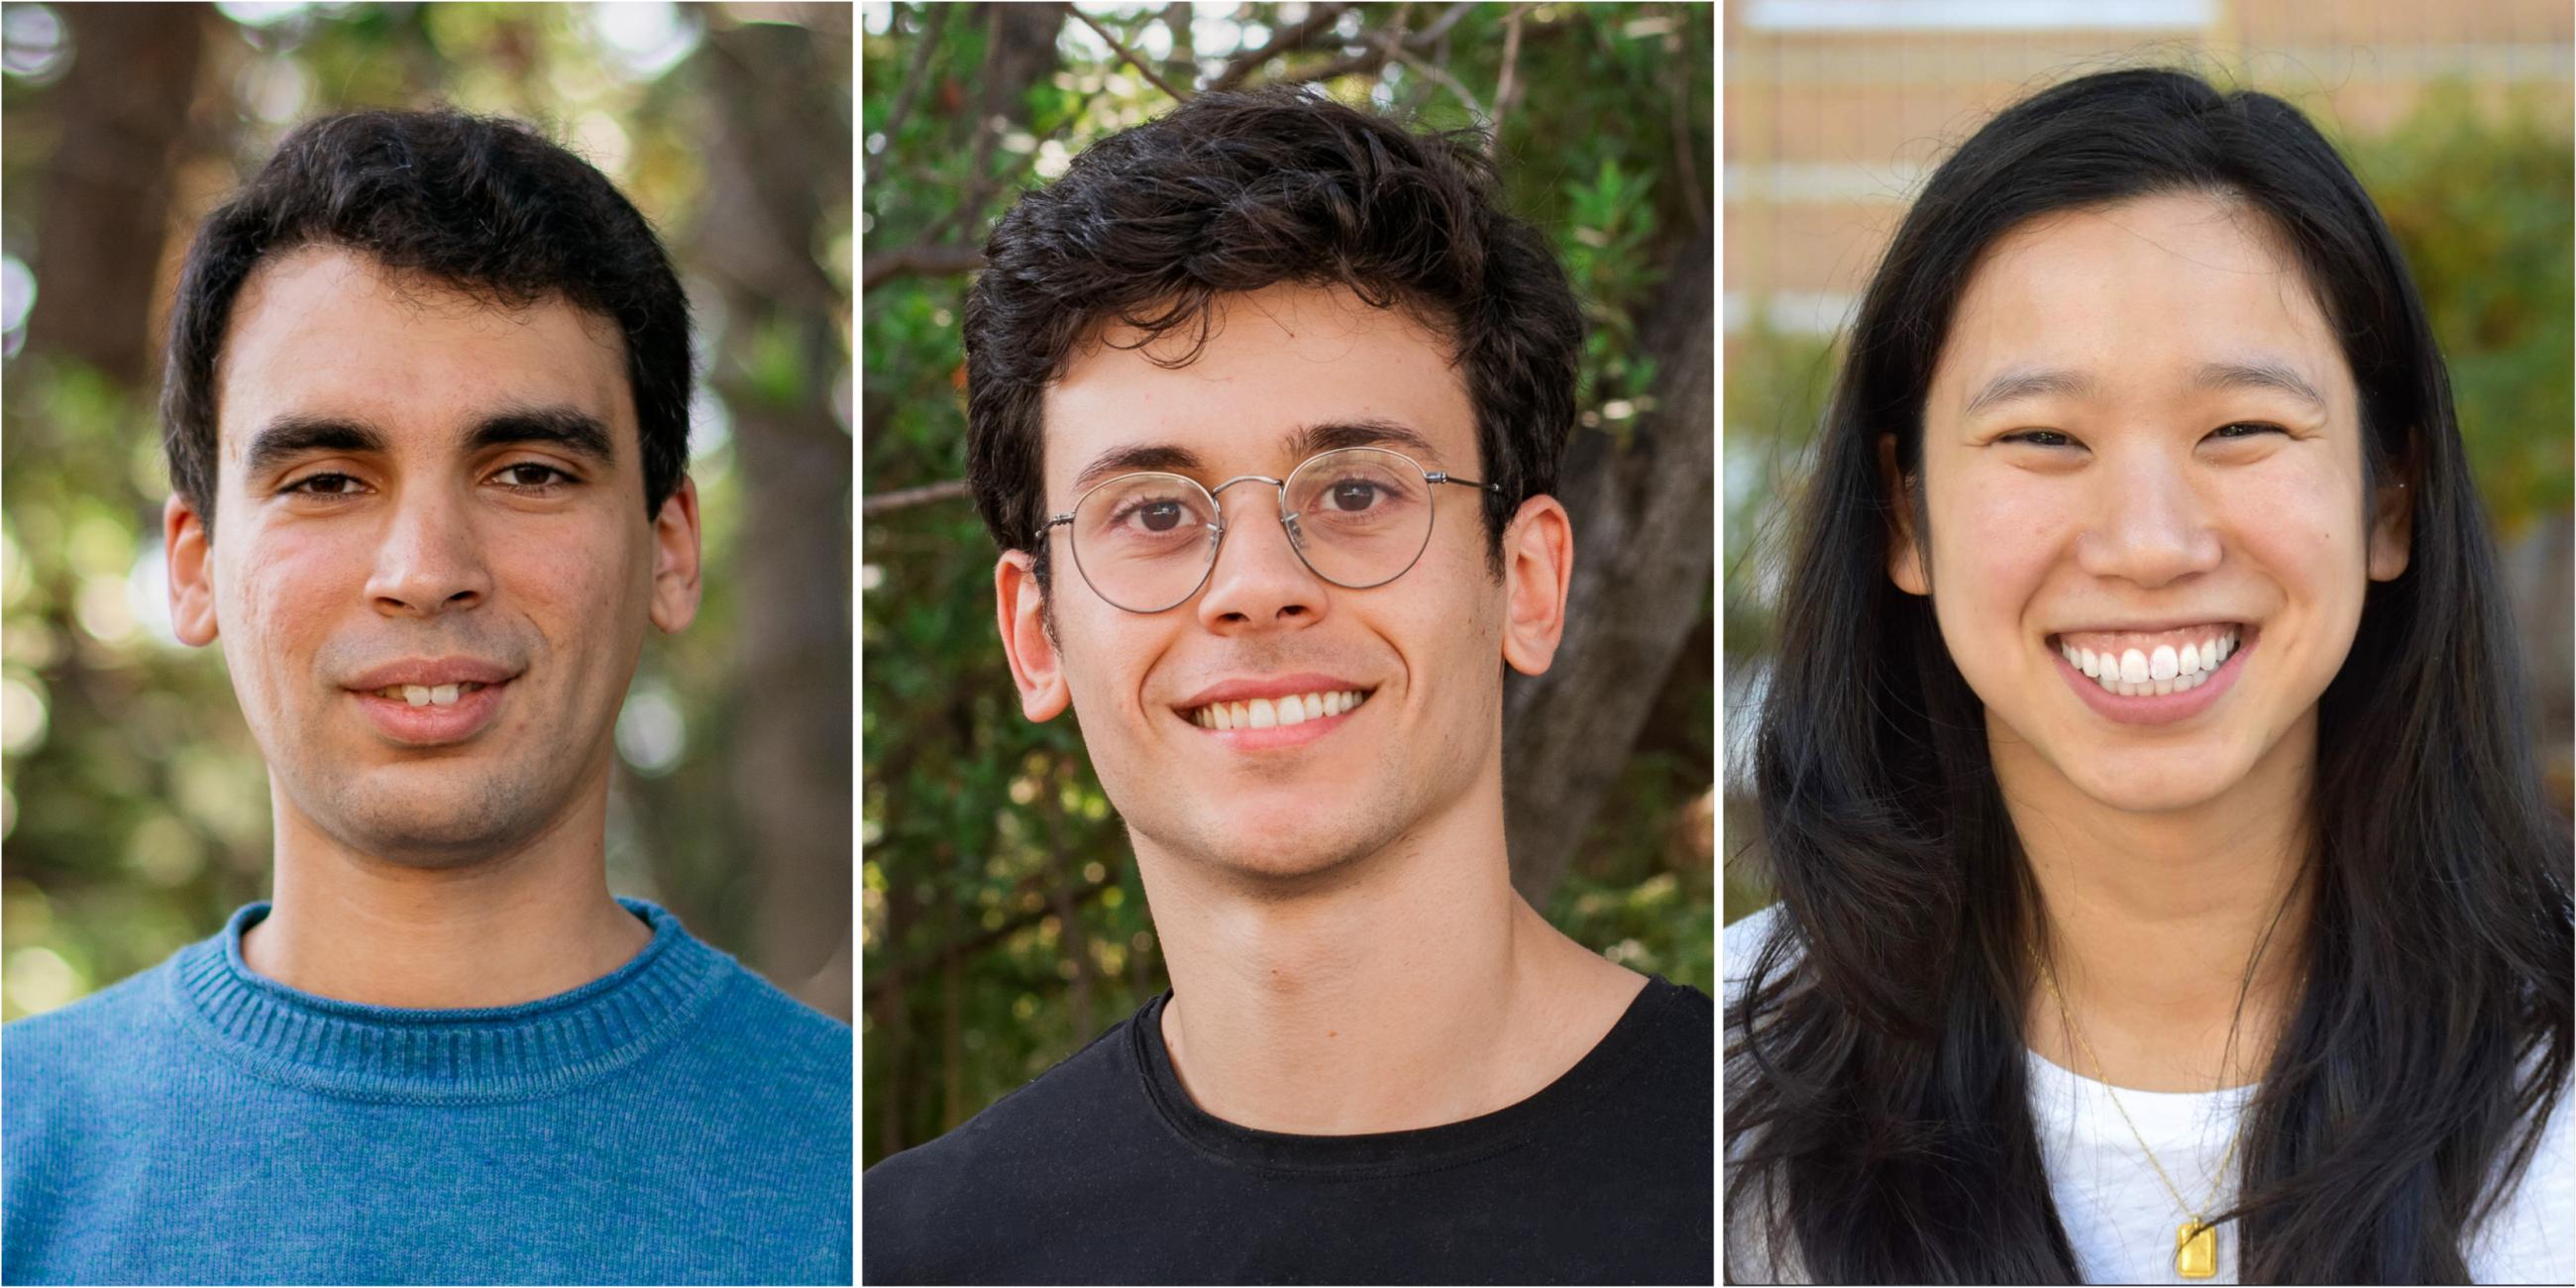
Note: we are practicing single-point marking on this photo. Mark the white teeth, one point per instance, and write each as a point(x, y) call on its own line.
point(1272, 713)
point(2162, 664)
point(444, 695)
point(416, 694)
point(2092, 661)
point(2133, 667)
point(2191, 661)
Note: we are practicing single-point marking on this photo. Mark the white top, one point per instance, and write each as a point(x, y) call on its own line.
point(2122, 1220)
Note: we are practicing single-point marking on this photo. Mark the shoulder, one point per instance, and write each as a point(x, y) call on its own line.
point(1742, 943)
point(2527, 1239)
point(86, 1037)
point(68, 1068)
point(1039, 1142)
point(770, 1056)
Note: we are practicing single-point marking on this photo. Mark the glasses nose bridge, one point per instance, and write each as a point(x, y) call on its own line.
point(1279, 493)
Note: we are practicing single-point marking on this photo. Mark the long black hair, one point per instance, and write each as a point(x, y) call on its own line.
point(1876, 1095)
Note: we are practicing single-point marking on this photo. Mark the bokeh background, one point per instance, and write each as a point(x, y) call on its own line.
point(2455, 116)
point(1003, 925)
point(134, 803)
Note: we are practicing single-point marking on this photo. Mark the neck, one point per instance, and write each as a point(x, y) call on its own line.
point(2153, 920)
point(498, 929)
point(1416, 988)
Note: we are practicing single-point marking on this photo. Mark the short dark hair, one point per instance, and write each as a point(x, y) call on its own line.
point(1234, 192)
point(484, 205)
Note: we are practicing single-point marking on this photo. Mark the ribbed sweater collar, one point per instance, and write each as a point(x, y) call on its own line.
point(469, 1055)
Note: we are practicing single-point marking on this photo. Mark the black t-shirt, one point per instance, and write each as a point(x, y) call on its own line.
point(1104, 1171)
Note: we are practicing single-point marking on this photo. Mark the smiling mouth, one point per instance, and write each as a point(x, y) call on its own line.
point(427, 695)
point(2144, 664)
point(1272, 713)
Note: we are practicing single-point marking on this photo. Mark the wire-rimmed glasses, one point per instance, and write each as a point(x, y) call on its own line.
point(1358, 517)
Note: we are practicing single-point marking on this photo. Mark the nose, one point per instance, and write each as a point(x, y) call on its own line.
point(430, 560)
point(2151, 527)
point(1258, 580)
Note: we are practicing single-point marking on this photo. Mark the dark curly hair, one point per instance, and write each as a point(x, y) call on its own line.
point(485, 205)
point(1234, 192)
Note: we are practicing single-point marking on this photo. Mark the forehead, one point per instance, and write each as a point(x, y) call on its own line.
point(1276, 361)
point(2137, 291)
point(325, 330)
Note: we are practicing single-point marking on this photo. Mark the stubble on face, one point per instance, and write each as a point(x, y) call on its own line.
point(302, 589)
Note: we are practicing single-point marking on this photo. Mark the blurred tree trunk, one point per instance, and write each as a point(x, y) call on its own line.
point(1642, 516)
point(777, 116)
point(106, 198)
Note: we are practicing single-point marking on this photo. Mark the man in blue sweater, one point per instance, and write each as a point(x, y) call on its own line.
point(427, 422)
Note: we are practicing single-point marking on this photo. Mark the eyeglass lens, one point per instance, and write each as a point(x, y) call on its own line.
point(1358, 517)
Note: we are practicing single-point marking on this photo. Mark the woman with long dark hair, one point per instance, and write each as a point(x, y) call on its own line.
point(2166, 892)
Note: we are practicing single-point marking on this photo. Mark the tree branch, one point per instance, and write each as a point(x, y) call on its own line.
point(1374, 53)
point(971, 944)
point(914, 73)
point(1446, 81)
point(906, 498)
point(1505, 87)
point(1128, 56)
point(916, 261)
point(1241, 67)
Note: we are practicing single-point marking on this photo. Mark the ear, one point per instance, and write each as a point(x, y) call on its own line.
point(189, 552)
point(2392, 529)
point(1538, 562)
point(1904, 554)
point(676, 559)
point(1019, 609)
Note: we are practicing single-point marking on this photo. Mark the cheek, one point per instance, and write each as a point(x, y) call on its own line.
point(278, 595)
point(2303, 529)
point(1995, 537)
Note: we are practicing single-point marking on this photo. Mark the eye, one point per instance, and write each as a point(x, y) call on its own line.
point(531, 476)
point(1352, 495)
point(321, 485)
point(2245, 429)
point(2038, 438)
point(1153, 515)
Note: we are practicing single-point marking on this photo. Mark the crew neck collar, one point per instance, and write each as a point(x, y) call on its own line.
point(1393, 1153)
point(461, 1055)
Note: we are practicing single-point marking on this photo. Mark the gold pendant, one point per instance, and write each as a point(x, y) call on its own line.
point(2196, 1250)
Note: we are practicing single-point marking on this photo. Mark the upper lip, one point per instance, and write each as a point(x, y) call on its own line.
point(430, 672)
point(2146, 628)
point(1267, 686)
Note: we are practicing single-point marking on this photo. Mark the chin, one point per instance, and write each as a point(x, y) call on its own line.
point(1286, 846)
point(430, 816)
point(2175, 780)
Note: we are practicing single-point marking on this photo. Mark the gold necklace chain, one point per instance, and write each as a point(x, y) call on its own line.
point(2196, 1243)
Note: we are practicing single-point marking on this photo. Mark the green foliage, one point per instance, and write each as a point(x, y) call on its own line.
point(979, 827)
point(2484, 205)
point(136, 803)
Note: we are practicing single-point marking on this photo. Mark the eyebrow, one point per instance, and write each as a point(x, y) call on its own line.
point(1300, 443)
point(2258, 373)
point(294, 434)
point(2042, 383)
point(2252, 373)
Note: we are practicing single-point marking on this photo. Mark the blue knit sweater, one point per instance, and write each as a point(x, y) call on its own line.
point(678, 1121)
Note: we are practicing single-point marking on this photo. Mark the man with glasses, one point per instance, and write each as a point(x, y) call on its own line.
point(1285, 390)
